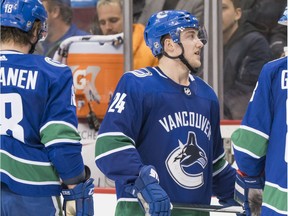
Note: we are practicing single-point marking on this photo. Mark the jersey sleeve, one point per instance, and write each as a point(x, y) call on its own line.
point(223, 173)
point(59, 128)
point(116, 154)
point(251, 139)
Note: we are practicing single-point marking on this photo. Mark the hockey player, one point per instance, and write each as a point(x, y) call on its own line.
point(160, 138)
point(261, 143)
point(40, 149)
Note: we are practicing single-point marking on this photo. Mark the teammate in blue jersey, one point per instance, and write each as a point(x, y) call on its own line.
point(160, 139)
point(40, 149)
point(261, 143)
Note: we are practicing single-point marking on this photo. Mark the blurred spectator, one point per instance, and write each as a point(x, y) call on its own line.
point(60, 26)
point(246, 50)
point(196, 7)
point(264, 15)
point(109, 21)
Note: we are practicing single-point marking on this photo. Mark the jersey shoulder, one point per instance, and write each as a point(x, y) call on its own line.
point(51, 69)
point(50, 64)
point(276, 64)
point(141, 78)
point(204, 90)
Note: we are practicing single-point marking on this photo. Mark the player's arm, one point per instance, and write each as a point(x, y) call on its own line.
point(116, 149)
point(223, 181)
point(59, 132)
point(223, 174)
point(61, 139)
point(250, 140)
point(116, 140)
point(250, 145)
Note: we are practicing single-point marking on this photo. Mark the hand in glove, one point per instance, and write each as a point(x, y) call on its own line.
point(248, 192)
point(151, 196)
point(79, 200)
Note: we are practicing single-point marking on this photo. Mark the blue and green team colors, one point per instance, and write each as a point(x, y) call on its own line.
point(153, 120)
point(38, 125)
point(261, 142)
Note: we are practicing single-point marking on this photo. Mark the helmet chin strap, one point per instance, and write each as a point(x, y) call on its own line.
point(182, 58)
point(32, 49)
point(33, 45)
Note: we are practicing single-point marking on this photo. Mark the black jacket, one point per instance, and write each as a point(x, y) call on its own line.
point(244, 55)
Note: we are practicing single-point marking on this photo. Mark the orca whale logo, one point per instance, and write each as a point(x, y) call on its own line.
point(187, 155)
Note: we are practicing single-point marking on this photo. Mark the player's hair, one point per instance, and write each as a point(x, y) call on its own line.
point(16, 35)
point(66, 11)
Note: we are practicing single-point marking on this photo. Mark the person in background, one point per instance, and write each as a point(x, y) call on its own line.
point(160, 139)
point(246, 50)
point(261, 143)
point(40, 150)
point(110, 21)
point(60, 26)
point(264, 15)
point(195, 7)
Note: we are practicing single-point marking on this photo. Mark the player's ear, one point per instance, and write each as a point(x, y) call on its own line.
point(168, 45)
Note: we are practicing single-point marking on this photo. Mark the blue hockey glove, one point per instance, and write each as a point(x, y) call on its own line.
point(151, 196)
point(248, 193)
point(79, 200)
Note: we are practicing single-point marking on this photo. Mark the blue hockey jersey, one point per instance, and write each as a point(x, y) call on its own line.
point(153, 120)
point(38, 125)
point(261, 142)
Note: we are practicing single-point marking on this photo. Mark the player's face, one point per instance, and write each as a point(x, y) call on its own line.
point(110, 18)
point(192, 46)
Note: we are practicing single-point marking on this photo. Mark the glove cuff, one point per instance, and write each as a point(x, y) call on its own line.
point(87, 173)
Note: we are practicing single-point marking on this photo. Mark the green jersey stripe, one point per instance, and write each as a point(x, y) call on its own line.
point(275, 197)
point(249, 142)
point(109, 143)
point(58, 122)
point(53, 132)
point(219, 166)
point(28, 172)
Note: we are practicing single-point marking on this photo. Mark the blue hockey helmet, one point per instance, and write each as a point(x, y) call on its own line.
point(22, 14)
point(170, 22)
point(283, 20)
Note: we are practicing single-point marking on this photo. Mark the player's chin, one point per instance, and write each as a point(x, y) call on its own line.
point(196, 64)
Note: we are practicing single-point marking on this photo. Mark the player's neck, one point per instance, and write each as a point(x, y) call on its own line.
point(15, 47)
point(176, 71)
